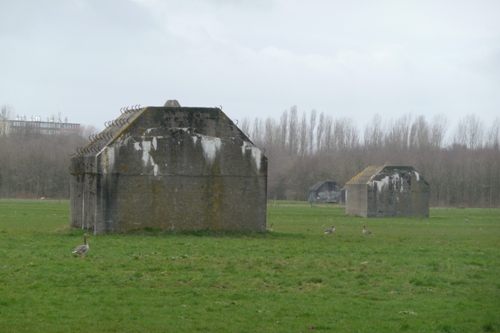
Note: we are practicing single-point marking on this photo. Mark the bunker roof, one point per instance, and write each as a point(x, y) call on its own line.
point(370, 172)
point(364, 176)
point(192, 119)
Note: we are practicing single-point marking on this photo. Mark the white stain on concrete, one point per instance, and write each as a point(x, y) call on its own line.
point(154, 142)
point(210, 145)
point(381, 183)
point(108, 159)
point(256, 153)
point(146, 148)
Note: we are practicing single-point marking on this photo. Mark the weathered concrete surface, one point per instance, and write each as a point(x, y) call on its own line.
point(388, 191)
point(170, 168)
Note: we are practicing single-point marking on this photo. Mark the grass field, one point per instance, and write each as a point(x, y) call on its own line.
point(412, 275)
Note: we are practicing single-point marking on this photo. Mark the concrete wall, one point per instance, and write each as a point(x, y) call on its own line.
point(356, 200)
point(398, 192)
point(175, 169)
point(83, 190)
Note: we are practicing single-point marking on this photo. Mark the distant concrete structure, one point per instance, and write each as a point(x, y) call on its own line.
point(324, 191)
point(34, 124)
point(382, 191)
point(169, 168)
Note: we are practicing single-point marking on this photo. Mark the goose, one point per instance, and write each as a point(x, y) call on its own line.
point(331, 230)
point(466, 220)
point(366, 232)
point(271, 228)
point(82, 249)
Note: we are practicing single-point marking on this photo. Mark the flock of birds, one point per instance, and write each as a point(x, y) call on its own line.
point(332, 230)
point(82, 249)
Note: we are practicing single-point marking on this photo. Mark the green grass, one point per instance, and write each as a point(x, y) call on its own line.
point(412, 275)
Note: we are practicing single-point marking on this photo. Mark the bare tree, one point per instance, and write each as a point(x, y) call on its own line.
point(438, 131)
point(293, 135)
point(493, 136)
point(469, 132)
point(328, 143)
point(283, 129)
point(398, 133)
point(245, 126)
point(312, 128)
point(304, 136)
point(319, 132)
point(374, 133)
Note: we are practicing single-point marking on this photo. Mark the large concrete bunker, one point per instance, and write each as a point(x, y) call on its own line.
point(381, 191)
point(169, 168)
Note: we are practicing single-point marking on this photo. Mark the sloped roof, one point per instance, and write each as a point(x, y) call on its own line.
point(364, 176)
point(316, 186)
point(167, 118)
point(113, 129)
point(369, 173)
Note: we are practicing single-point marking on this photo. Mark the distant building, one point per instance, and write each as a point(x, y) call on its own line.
point(36, 125)
point(324, 191)
point(381, 191)
point(169, 168)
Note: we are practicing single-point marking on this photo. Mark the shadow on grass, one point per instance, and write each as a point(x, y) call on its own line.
point(151, 232)
point(212, 233)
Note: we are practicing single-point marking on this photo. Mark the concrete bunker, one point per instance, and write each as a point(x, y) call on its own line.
point(324, 191)
point(383, 191)
point(169, 168)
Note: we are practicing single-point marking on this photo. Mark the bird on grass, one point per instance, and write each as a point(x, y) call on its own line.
point(466, 220)
point(271, 228)
point(82, 249)
point(331, 230)
point(366, 232)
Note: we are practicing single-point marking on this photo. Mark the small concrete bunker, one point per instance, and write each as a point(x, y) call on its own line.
point(324, 191)
point(169, 168)
point(382, 191)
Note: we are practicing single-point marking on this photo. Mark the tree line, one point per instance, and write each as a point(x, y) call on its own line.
point(35, 165)
point(461, 164)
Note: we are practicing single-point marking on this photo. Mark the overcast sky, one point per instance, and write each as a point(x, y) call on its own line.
point(85, 59)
